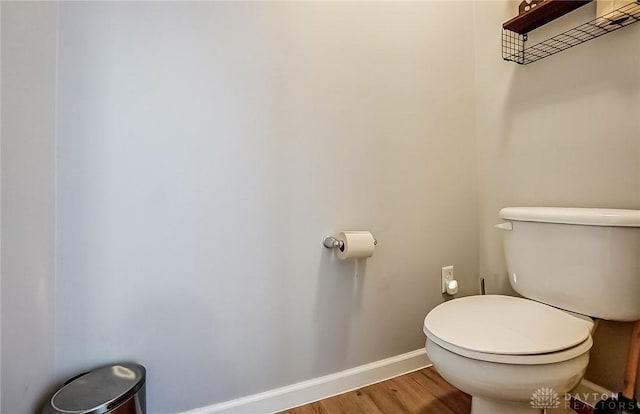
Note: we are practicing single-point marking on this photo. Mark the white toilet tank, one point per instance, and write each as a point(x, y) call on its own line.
point(584, 260)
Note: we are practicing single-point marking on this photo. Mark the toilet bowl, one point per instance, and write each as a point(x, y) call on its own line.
point(503, 350)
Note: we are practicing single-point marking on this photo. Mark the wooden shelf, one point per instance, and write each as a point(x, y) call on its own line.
point(542, 14)
point(515, 31)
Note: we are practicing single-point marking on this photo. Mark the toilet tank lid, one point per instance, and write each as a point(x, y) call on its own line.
point(583, 216)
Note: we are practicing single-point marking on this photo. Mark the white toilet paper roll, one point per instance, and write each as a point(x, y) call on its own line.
point(357, 244)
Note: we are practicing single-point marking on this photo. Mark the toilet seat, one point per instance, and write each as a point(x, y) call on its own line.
point(508, 330)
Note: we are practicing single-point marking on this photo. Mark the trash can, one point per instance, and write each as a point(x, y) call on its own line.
point(113, 389)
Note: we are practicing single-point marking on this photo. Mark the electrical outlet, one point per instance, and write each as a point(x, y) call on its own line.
point(447, 276)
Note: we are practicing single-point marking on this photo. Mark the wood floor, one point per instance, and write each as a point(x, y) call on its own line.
point(419, 392)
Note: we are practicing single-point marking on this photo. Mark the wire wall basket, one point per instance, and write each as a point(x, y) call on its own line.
point(514, 44)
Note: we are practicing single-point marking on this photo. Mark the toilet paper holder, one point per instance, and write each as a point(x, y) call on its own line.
point(331, 242)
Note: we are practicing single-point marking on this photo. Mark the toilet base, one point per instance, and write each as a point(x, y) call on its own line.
point(486, 406)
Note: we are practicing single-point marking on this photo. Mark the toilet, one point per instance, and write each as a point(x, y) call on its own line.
point(521, 355)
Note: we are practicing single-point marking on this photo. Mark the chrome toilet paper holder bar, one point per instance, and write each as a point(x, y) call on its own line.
point(331, 242)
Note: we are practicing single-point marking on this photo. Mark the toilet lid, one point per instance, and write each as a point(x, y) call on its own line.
point(505, 325)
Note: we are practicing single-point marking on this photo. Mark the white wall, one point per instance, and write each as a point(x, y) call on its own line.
point(28, 128)
point(563, 131)
point(206, 148)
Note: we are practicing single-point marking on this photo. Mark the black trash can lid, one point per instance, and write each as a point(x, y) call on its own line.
point(99, 390)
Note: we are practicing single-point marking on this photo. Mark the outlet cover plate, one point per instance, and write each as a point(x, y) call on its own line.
point(447, 276)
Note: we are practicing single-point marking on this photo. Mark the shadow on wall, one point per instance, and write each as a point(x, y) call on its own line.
point(534, 86)
point(608, 356)
point(338, 302)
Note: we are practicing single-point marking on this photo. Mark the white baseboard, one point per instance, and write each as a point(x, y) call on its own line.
point(590, 393)
point(318, 388)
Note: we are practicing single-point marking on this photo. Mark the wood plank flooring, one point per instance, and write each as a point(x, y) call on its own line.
point(419, 392)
